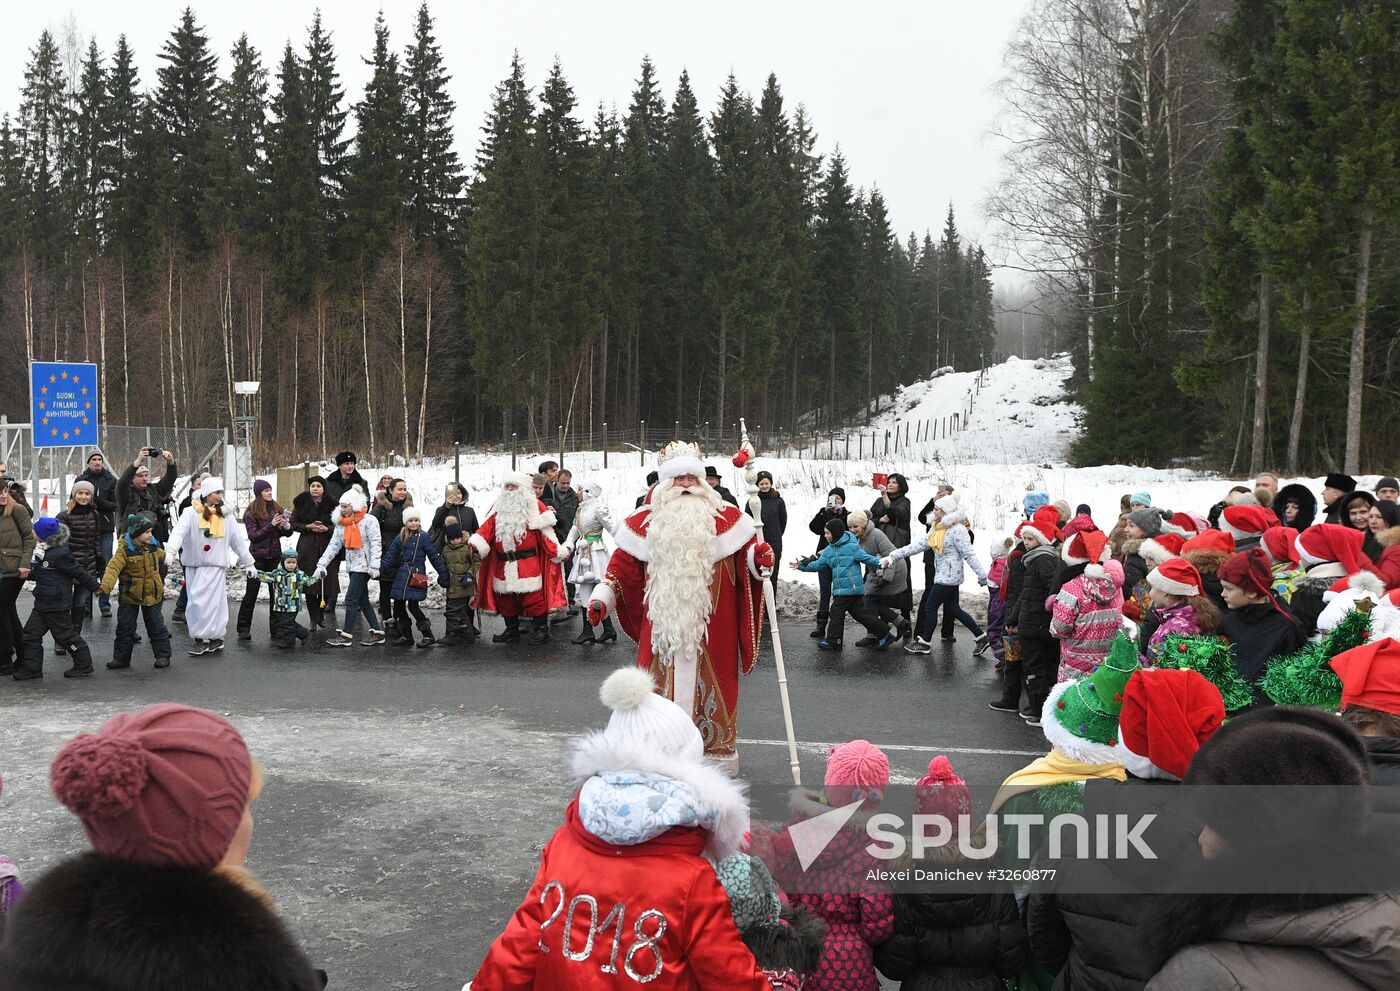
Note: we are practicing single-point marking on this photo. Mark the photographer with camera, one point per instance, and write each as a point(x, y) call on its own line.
point(136, 494)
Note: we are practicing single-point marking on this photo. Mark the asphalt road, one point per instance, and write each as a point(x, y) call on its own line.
point(409, 791)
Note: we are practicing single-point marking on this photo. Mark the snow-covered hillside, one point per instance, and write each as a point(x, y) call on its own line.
point(1020, 414)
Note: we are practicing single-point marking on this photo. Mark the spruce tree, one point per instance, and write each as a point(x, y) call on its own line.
point(186, 111)
point(877, 297)
point(377, 180)
point(293, 185)
point(45, 126)
point(836, 272)
point(89, 143)
point(324, 98)
point(243, 126)
point(124, 208)
point(434, 171)
point(643, 144)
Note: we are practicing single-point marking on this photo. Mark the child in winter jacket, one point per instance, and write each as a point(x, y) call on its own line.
point(951, 940)
point(1179, 605)
point(858, 912)
point(786, 940)
point(648, 810)
point(54, 575)
point(951, 546)
point(1085, 617)
point(287, 585)
point(357, 534)
point(135, 569)
point(461, 563)
point(1258, 625)
point(1029, 617)
point(843, 558)
point(406, 559)
point(1278, 543)
point(996, 601)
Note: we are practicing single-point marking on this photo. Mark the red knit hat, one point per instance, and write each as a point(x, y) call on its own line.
point(1086, 547)
point(1279, 542)
point(1177, 576)
point(166, 785)
point(1210, 540)
point(1250, 570)
point(1331, 542)
point(1167, 715)
point(856, 771)
point(1370, 675)
point(942, 792)
point(1241, 522)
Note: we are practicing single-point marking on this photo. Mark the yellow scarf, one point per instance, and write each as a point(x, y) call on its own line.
point(936, 536)
point(210, 522)
point(1053, 769)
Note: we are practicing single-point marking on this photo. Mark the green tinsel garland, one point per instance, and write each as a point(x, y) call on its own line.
point(1210, 657)
point(1305, 678)
point(1062, 798)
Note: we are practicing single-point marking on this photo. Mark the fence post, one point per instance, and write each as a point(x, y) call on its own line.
point(677, 435)
point(642, 444)
point(848, 447)
point(457, 461)
point(887, 444)
point(561, 447)
point(512, 452)
point(706, 436)
point(605, 443)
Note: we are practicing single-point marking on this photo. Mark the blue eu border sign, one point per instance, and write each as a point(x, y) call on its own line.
point(63, 403)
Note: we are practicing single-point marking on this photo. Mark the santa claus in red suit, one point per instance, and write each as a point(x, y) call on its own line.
point(687, 583)
point(520, 573)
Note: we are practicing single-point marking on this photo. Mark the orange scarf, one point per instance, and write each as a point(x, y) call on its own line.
point(354, 539)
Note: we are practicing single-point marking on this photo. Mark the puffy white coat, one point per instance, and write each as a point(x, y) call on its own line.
point(590, 556)
point(197, 551)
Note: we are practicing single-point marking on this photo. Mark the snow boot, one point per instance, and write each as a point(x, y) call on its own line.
point(609, 631)
point(426, 628)
point(1010, 699)
point(511, 634)
point(587, 636)
point(82, 661)
point(539, 629)
point(820, 632)
point(829, 645)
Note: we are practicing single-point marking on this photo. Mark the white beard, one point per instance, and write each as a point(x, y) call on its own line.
point(512, 517)
point(679, 573)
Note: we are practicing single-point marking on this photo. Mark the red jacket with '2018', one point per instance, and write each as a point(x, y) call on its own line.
point(601, 917)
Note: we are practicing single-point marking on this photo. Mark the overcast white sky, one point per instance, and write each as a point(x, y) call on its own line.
point(906, 88)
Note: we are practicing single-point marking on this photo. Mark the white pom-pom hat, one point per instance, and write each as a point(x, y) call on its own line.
point(644, 720)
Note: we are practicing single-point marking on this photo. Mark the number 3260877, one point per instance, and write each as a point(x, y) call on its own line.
point(643, 939)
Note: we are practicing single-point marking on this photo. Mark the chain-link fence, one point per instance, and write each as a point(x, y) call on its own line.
point(50, 471)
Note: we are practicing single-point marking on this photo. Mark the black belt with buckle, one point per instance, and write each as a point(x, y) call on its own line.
point(517, 555)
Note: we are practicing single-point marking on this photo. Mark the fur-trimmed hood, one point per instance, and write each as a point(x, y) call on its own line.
point(95, 921)
point(1389, 537)
point(716, 791)
point(59, 539)
point(794, 944)
point(1206, 562)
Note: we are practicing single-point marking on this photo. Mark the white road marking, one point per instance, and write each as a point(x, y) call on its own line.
point(899, 748)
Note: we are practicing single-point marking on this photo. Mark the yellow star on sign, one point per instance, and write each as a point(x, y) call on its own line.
point(65, 375)
point(85, 390)
point(46, 421)
point(54, 431)
point(53, 378)
point(87, 405)
point(85, 419)
point(44, 389)
point(65, 435)
point(41, 405)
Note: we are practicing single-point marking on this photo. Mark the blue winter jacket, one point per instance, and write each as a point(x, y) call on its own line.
point(55, 573)
point(415, 552)
point(844, 559)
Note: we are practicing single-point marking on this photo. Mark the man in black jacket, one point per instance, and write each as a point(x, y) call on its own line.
point(105, 499)
point(712, 479)
point(348, 476)
point(54, 577)
point(136, 493)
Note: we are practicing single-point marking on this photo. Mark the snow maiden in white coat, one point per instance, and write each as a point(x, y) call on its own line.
point(204, 539)
point(590, 554)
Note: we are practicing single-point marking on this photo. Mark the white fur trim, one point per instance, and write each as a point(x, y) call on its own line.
point(1140, 767)
point(681, 464)
point(733, 539)
point(1069, 558)
point(626, 688)
point(1094, 571)
point(520, 479)
point(1074, 747)
point(604, 593)
point(479, 544)
point(1367, 581)
point(1154, 552)
point(513, 584)
point(713, 786)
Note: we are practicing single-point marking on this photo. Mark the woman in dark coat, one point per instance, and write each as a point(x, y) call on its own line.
point(84, 521)
point(1296, 506)
point(774, 520)
point(389, 504)
point(265, 522)
point(313, 524)
point(891, 513)
point(455, 504)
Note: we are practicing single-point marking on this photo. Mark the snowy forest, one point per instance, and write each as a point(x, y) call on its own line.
point(1205, 195)
point(241, 216)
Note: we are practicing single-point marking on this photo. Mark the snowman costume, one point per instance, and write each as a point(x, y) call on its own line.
point(206, 538)
point(590, 553)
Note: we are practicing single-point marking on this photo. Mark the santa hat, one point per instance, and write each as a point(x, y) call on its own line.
point(1167, 715)
point(1278, 542)
point(353, 499)
point(1210, 541)
point(1326, 542)
point(1371, 675)
point(1176, 577)
point(1346, 594)
point(679, 458)
point(1155, 550)
point(1243, 522)
point(209, 486)
point(942, 792)
point(520, 479)
point(1186, 522)
point(857, 771)
point(1044, 529)
point(1086, 547)
point(1080, 718)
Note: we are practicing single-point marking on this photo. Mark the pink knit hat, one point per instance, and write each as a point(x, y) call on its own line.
point(856, 771)
point(942, 792)
point(166, 785)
